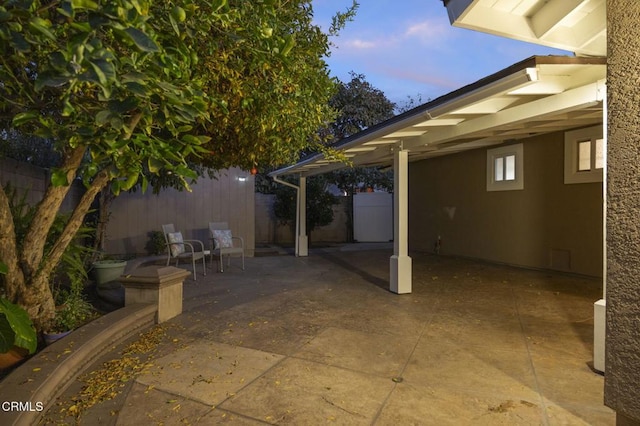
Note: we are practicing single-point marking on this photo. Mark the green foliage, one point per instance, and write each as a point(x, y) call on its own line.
point(75, 254)
point(72, 308)
point(128, 89)
point(156, 244)
point(319, 203)
point(273, 103)
point(359, 106)
point(16, 328)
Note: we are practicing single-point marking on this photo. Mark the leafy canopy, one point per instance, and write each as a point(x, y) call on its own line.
point(126, 89)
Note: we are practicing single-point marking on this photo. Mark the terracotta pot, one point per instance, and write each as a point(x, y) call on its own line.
point(11, 358)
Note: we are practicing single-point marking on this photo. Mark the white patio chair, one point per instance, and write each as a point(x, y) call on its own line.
point(178, 248)
point(223, 243)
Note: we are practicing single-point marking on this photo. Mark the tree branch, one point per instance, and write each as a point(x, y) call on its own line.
point(35, 239)
point(73, 224)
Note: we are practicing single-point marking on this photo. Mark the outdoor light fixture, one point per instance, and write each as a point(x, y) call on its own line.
point(242, 178)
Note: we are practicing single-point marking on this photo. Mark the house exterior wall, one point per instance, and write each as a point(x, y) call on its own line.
point(225, 199)
point(547, 225)
point(622, 358)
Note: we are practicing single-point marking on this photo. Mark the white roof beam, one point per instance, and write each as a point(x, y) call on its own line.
point(550, 16)
point(579, 97)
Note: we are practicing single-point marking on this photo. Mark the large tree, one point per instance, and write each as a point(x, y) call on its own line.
point(359, 106)
point(124, 88)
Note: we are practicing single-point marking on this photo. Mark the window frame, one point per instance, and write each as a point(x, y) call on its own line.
point(503, 152)
point(572, 140)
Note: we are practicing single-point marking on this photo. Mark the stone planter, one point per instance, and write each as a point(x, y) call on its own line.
point(105, 271)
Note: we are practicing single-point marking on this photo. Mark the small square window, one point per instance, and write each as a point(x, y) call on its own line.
point(504, 168)
point(584, 155)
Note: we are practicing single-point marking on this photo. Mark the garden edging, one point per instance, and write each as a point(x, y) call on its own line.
point(38, 382)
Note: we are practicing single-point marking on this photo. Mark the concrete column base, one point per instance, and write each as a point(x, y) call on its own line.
point(400, 280)
point(161, 285)
point(599, 327)
point(303, 246)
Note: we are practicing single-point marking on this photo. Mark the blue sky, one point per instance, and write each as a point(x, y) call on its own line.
point(408, 47)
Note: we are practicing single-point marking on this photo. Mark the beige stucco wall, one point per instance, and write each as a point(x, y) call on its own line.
point(225, 199)
point(622, 360)
point(548, 224)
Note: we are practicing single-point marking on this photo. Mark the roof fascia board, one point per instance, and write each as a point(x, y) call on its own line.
point(457, 9)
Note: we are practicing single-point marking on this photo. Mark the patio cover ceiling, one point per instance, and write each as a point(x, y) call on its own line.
point(575, 25)
point(539, 95)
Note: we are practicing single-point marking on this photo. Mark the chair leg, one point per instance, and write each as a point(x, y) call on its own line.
point(193, 264)
point(243, 261)
point(204, 266)
point(221, 263)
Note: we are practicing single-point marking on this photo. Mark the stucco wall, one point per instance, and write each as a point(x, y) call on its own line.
point(225, 199)
point(622, 379)
point(548, 224)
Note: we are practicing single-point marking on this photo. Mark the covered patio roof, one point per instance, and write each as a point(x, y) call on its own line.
point(578, 26)
point(538, 95)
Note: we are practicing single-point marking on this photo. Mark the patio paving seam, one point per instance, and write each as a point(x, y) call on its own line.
point(543, 403)
point(400, 378)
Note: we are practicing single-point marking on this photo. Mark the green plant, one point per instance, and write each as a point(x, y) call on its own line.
point(16, 328)
point(156, 243)
point(72, 308)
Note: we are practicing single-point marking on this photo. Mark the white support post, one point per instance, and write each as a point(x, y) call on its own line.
point(400, 280)
point(599, 307)
point(302, 239)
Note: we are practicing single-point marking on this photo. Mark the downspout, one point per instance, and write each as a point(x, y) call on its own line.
point(297, 188)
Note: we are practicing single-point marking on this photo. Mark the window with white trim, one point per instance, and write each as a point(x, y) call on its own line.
point(505, 168)
point(584, 155)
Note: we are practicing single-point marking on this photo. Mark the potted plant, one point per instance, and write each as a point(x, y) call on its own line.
point(17, 334)
point(107, 270)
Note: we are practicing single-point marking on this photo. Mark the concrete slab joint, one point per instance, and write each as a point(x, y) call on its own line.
point(160, 285)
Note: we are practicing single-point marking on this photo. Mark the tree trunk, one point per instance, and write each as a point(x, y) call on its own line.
point(48, 208)
point(27, 280)
point(104, 211)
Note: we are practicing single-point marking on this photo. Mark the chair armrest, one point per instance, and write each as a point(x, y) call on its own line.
point(196, 241)
point(241, 241)
point(184, 243)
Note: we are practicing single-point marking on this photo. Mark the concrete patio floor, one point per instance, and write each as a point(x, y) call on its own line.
point(320, 340)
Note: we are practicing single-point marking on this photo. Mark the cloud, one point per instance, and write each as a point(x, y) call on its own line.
point(429, 34)
point(429, 30)
point(359, 44)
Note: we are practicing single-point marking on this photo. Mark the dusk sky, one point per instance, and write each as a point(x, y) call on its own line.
point(408, 47)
